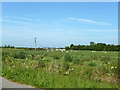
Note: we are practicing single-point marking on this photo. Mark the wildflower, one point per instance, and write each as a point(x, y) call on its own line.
point(113, 74)
point(112, 67)
point(67, 73)
point(108, 62)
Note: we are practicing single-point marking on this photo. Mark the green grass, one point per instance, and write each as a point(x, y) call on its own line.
point(72, 69)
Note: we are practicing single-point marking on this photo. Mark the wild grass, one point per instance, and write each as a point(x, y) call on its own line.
point(72, 69)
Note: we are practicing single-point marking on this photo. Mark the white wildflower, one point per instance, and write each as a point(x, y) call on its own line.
point(113, 74)
point(112, 67)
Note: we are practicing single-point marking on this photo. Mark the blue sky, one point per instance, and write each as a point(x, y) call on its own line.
point(59, 24)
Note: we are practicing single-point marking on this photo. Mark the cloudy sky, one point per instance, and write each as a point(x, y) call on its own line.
point(59, 24)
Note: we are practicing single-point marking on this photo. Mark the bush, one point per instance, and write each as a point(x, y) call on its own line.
point(56, 57)
point(15, 56)
point(68, 58)
point(92, 64)
point(33, 56)
point(22, 55)
point(67, 48)
point(48, 60)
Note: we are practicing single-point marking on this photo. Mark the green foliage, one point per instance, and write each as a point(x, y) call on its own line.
point(3, 58)
point(76, 61)
point(71, 45)
point(15, 56)
point(48, 60)
point(33, 55)
point(66, 66)
point(67, 48)
point(40, 70)
point(68, 58)
point(22, 55)
point(106, 58)
point(92, 43)
point(92, 64)
point(56, 57)
point(96, 47)
point(41, 63)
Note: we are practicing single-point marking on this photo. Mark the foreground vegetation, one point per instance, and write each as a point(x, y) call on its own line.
point(55, 69)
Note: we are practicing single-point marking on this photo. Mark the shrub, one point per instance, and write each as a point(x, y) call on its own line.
point(15, 56)
point(56, 57)
point(21, 55)
point(48, 60)
point(33, 56)
point(92, 64)
point(42, 56)
point(67, 48)
point(68, 58)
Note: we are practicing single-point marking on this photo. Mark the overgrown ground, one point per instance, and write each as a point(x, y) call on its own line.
point(69, 69)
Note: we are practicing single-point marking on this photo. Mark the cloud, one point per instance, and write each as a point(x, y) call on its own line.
point(88, 21)
point(32, 22)
point(22, 18)
point(14, 21)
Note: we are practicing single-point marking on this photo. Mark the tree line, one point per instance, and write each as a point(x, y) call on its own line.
point(95, 47)
point(26, 48)
point(92, 46)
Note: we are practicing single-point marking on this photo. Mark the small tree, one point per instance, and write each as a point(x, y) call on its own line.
point(92, 43)
point(67, 48)
point(71, 45)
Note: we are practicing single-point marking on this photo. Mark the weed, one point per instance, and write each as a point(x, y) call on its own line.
point(56, 57)
point(92, 64)
point(68, 58)
point(22, 55)
point(76, 61)
point(66, 66)
point(106, 58)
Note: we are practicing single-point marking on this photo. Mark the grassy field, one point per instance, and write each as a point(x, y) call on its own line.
point(55, 69)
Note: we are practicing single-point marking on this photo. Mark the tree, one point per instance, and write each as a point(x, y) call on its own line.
point(75, 47)
point(71, 45)
point(67, 48)
point(92, 43)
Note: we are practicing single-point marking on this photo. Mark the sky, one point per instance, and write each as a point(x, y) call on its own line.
point(59, 24)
